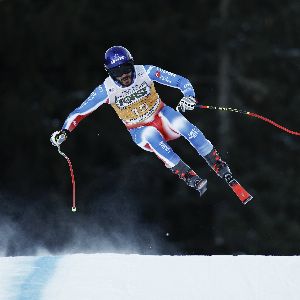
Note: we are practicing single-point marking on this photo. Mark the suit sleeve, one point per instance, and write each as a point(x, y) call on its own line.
point(95, 100)
point(170, 79)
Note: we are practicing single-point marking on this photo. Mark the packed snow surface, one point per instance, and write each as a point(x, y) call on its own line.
point(149, 277)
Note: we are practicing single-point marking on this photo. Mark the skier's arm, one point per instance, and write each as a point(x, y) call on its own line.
point(96, 99)
point(170, 79)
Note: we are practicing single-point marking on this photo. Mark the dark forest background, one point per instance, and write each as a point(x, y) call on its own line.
point(241, 54)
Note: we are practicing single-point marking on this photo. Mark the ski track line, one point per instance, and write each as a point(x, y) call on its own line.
point(33, 285)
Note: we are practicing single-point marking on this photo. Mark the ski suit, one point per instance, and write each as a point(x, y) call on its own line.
point(150, 122)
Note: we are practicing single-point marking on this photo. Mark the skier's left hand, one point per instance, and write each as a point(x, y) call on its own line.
point(186, 103)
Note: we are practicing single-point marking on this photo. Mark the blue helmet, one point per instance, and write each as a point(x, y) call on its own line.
point(119, 61)
point(116, 56)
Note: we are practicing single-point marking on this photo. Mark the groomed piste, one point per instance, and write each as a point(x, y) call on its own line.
point(149, 277)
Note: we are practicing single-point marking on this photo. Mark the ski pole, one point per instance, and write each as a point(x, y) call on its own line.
point(72, 178)
point(251, 114)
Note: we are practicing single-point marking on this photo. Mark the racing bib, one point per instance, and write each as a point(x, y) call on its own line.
point(137, 102)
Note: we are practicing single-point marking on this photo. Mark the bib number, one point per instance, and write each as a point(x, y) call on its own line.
point(140, 110)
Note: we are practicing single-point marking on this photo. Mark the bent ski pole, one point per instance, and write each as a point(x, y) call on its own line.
point(72, 178)
point(251, 114)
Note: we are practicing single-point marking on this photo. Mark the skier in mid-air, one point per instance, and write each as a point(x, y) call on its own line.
point(130, 90)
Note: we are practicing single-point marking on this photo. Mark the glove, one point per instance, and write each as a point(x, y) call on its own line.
point(186, 103)
point(58, 137)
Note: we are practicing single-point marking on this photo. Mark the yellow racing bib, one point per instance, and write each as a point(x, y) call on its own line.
point(137, 102)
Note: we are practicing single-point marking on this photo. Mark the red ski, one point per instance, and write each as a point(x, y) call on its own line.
point(242, 194)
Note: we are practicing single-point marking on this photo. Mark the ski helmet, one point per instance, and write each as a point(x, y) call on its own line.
point(117, 61)
point(116, 56)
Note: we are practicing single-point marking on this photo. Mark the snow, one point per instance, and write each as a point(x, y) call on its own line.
point(149, 277)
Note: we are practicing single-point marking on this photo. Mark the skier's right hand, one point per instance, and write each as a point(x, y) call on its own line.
point(58, 137)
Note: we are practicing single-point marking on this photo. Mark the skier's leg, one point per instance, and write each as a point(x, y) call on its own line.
point(217, 164)
point(180, 124)
point(190, 177)
point(150, 139)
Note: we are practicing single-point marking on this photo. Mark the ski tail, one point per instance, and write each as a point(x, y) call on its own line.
point(237, 188)
point(202, 186)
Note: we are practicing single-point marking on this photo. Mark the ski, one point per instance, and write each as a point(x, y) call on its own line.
point(241, 193)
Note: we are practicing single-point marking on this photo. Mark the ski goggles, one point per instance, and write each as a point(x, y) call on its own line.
point(120, 70)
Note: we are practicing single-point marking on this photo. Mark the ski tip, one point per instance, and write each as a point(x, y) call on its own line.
point(247, 200)
point(74, 209)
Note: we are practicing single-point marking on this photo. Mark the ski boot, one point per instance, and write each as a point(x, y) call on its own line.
point(221, 168)
point(217, 164)
point(190, 177)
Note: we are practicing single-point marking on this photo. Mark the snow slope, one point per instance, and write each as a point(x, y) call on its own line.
point(116, 276)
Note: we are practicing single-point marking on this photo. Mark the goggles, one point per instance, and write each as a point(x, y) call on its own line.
point(120, 70)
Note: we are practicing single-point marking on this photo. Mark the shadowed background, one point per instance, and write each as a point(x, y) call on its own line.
point(242, 55)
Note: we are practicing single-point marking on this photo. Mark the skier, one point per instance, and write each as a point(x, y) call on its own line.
point(130, 90)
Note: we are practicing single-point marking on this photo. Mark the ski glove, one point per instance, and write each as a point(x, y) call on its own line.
point(58, 137)
point(186, 103)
